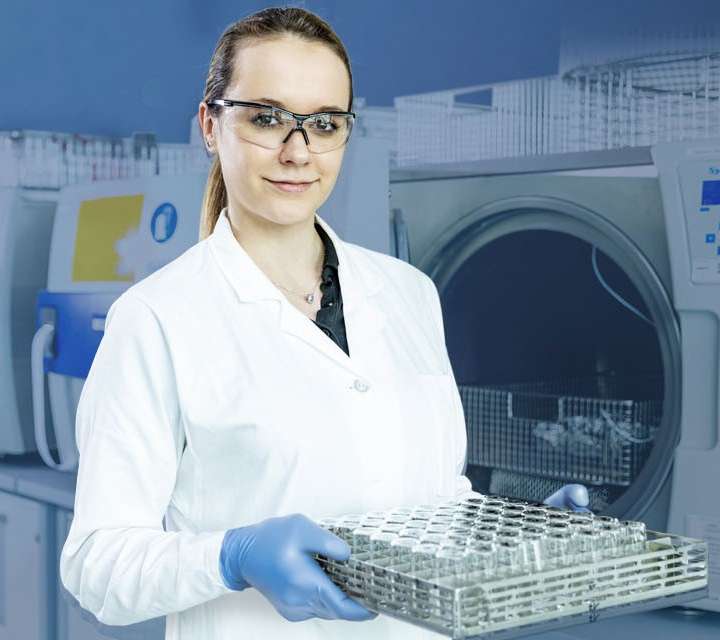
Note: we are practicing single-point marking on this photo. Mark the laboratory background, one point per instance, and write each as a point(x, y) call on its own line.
point(553, 166)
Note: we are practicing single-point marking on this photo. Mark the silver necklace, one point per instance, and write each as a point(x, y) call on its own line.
point(308, 297)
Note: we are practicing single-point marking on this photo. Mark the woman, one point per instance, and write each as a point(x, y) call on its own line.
point(270, 371)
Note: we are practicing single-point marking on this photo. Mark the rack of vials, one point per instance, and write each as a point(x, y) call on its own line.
point(486, 565)
point(52, 160)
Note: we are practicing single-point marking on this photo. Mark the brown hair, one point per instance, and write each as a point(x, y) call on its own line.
point(272, 22)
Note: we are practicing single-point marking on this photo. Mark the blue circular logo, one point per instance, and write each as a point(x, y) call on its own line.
point(163, 223)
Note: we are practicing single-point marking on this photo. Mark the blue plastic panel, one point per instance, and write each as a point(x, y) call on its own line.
point(79, 321)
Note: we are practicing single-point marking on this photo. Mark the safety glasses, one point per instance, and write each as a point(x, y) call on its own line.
point(270, 127)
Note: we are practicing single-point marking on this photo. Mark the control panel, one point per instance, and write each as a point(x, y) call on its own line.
point(700, 188)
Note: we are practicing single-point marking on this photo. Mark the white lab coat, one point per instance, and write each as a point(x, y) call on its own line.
point(276, 419)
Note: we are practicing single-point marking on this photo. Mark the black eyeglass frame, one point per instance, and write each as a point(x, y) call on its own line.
point(298, 117)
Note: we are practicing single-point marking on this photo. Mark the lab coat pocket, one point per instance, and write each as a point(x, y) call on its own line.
point(223, 427)
point(437, 431)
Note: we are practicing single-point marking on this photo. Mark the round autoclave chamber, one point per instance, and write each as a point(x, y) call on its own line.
point(566, 352)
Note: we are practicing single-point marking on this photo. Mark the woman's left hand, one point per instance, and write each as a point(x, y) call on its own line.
point(571, 496)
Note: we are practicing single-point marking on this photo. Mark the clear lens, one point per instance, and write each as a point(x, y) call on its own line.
point(269, 127)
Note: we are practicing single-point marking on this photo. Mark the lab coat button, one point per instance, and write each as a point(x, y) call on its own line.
point(360, 385)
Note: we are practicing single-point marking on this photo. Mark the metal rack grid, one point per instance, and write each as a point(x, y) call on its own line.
point(596, 430)
point(485, 565)
point(536, 488)
point(632, 92)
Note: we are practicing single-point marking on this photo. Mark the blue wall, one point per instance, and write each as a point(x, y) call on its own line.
point(113, 67)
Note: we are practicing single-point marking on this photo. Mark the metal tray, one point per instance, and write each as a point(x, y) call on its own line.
point(485, 566)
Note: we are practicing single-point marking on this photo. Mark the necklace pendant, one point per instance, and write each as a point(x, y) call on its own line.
point(309, 298)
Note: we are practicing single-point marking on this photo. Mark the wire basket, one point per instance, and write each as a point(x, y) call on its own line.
point(485, 565)
point(644, 101)
point(511, 119)
point(637, 90)
point(536, 489)
point(585, 430)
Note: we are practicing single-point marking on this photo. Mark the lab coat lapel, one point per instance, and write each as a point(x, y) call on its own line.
point(359, 283)
point(364, 319)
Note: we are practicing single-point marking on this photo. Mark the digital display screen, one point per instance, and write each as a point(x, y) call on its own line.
point(711, 192)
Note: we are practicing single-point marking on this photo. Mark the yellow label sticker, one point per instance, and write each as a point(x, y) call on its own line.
point(101, 224)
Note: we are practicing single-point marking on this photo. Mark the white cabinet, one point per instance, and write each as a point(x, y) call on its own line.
point(74, 623)
point(26, 552)
point(34, 605)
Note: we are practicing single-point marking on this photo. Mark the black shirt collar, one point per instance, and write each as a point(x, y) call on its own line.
point(331, 259)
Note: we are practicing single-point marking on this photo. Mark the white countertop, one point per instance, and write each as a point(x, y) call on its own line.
point(28, 476)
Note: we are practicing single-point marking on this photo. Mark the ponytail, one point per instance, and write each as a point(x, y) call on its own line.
point(214, 200)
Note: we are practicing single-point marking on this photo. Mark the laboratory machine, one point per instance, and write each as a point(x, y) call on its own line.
point(581, 301)
point(34, 167)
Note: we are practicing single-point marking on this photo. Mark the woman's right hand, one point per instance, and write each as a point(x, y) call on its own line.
point(274, 557)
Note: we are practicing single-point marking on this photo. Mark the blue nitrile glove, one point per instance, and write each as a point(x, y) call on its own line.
point(274, 556)
point(571, 496)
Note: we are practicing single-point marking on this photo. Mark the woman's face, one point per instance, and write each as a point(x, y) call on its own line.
point(302, 77)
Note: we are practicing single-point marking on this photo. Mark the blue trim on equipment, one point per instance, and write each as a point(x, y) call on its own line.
point(76, 340)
